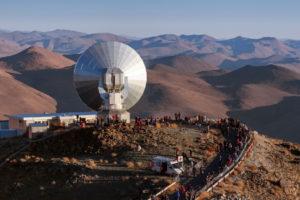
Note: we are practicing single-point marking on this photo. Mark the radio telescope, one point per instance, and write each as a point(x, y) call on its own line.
point(110, 77)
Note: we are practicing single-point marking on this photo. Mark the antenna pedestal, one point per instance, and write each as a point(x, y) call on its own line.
point(109, 116)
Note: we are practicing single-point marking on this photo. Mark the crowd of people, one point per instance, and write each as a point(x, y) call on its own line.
point(236, 135)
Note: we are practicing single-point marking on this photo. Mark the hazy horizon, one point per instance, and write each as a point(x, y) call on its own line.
point(140, 37)
point(254, 19)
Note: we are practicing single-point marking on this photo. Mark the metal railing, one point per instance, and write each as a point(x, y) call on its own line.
point(213, 183)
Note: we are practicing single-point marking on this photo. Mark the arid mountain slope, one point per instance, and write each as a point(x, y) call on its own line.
point(16, 97)
point(251, 87)
point(271, 171)
point(57, 83)
point(226, 53)
point(245, 48)
point(8, 48)
point(279, 120)
point(169, 91)
point(183, 64)
point(264, 97)
point(290, 63)
point(37, 90)
point(255, 74)
point(61, 41)
point(162, 46)
point(260, 96)
point(35, 58)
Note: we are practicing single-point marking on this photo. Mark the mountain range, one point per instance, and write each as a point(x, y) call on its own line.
point(255, 80)
point(226, 53)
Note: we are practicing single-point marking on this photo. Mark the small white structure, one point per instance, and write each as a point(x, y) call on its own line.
point(166, 165)
point(22, 122)
point(35, 130)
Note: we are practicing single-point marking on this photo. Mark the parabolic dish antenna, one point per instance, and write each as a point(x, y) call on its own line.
point(110, 77)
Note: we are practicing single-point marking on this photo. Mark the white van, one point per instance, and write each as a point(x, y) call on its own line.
point(166, 165)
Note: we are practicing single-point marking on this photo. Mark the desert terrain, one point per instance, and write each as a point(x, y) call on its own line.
point(86, 163)
point(271, 171)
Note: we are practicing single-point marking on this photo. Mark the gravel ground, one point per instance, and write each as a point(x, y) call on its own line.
point(105, 164)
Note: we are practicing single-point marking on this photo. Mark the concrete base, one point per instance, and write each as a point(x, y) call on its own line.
point(125, 116)
point(110, 116)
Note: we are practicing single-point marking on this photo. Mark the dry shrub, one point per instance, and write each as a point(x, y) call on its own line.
point(74, 161)
point(114, 154)
point(106, 161)
point(235, 172)
point(91, 164)
point(38, 159)
point(27, 157)
point(203, 196)
point(252, 167)
point(230, 189)
point(228, 180)
point(125, 178)
point(222, 184)
point(218, 190)
point(130, 164)
point(276, 191)
point(66, 160)
point(239, 169)
point(156, 180)
point(139, 164)
point(174, 125)
point(210, 149)
point(240, 184)
point(208, 153)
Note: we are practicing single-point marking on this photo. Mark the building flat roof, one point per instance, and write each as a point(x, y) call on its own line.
point(38, 125)
point(22, 116)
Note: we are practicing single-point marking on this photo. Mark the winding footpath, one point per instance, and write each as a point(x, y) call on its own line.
point(200, 183)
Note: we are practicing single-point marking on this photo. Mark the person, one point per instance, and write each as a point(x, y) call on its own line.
point(185, 156)
point(194, 171)
point(192, 194)
point(164, 168)
point(201, 171)
point(182, 190)
point(139, 148)
point(220, 159)
point(176, 151)
point(187, 195)
point(165, 197)
point(191, 153)
point(177, 195)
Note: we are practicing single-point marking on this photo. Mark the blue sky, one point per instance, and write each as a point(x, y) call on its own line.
point(218, 18)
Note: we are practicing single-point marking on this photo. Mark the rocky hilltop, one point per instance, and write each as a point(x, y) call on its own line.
point(271, 171)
